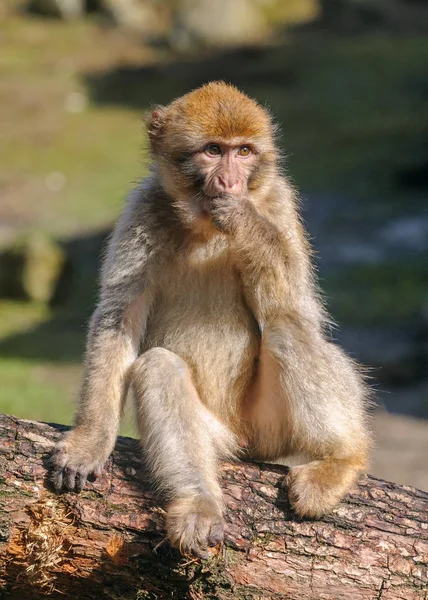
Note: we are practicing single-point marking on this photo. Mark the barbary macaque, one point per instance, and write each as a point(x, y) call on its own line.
point(209, 313)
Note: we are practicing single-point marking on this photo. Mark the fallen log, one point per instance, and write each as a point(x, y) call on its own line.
point(107, 543)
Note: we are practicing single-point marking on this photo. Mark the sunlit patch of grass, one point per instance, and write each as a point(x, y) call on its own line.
point(98, 153)
point(99, 156)
point(44, 392)
point(29, 390)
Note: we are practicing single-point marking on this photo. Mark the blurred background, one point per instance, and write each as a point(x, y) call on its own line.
point(348, 83)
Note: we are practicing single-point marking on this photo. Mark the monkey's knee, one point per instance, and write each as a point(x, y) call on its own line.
point(157, 362)
point(163, 391)
point(162, 385)
point(160, 375)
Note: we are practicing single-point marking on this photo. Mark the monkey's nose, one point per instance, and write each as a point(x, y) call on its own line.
point(227, 183)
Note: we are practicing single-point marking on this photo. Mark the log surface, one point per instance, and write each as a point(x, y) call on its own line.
point(107, 542)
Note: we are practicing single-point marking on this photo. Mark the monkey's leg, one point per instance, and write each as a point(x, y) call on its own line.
point(182, 441)
point(310, 400)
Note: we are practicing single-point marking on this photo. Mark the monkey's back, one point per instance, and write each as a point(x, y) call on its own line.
point(199, 313)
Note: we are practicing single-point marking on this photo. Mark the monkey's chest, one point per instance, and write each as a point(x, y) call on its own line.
point(201, 315)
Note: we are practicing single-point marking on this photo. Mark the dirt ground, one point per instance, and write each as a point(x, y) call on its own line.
point(401, 449)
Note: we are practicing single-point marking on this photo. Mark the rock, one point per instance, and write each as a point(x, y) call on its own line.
point(221, 23)
point(149, 19)
point(63, 9)
point(32, 267)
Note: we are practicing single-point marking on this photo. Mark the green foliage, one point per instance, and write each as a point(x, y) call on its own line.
point(390, 293)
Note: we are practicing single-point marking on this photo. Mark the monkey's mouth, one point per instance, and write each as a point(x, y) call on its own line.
point(208, 199)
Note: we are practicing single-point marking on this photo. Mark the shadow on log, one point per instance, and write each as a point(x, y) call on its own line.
point(107, 542)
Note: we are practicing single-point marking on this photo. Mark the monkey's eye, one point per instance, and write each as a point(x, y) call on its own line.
point(244, 151)
point(213, 150)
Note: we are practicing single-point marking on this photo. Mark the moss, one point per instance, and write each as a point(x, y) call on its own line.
point(264, 540)
point(91, 495)
point(13, 493)
point(111, 508)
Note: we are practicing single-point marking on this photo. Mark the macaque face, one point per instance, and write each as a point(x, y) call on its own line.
point(213, 142)
point(225, 168)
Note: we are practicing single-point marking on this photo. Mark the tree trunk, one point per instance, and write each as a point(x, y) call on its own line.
point(107, 543)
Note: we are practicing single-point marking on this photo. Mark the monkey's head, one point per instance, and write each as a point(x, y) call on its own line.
point(213, 141)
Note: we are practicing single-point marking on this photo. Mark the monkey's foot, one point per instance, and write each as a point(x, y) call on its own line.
point(73, 460)
point(194, 525)
point(316, 488)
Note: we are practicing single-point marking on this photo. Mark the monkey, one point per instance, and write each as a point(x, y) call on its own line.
point(210, 314)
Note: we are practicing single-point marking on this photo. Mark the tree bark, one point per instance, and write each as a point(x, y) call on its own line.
point(107, 543)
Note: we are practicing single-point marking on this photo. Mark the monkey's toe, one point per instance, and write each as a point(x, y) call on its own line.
point(316, 488)
point(216, 534)
point(194, 529)
point(304, 498)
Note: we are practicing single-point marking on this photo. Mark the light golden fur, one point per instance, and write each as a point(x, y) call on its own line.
point(210, 313)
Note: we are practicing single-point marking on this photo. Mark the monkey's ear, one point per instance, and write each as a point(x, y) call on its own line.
point(155, 122)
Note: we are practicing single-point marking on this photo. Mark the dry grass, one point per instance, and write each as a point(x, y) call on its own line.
point(41, 548)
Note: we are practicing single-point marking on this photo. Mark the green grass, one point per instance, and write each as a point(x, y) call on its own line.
point(98, 151)
point(44, 392)
point(96, 179)
point(29, 390)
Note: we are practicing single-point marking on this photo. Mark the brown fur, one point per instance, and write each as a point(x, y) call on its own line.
point(200, 115)
point(210, 313)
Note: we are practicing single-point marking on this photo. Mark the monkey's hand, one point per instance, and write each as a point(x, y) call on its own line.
point(228, 212)
point(74, 459)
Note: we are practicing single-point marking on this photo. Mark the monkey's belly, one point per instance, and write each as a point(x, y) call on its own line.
point(219, 343)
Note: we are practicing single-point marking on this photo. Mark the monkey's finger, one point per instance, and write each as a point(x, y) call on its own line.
point(216, 535)
point(93, 474)
point(224, 200)
point(57, 478)
point(70, 477)
point(81, 478)
point(201, 552)
point(97, 472)
point(58, 458)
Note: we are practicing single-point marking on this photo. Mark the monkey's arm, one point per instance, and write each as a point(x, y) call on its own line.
point(273, 257)
point(114, 336)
